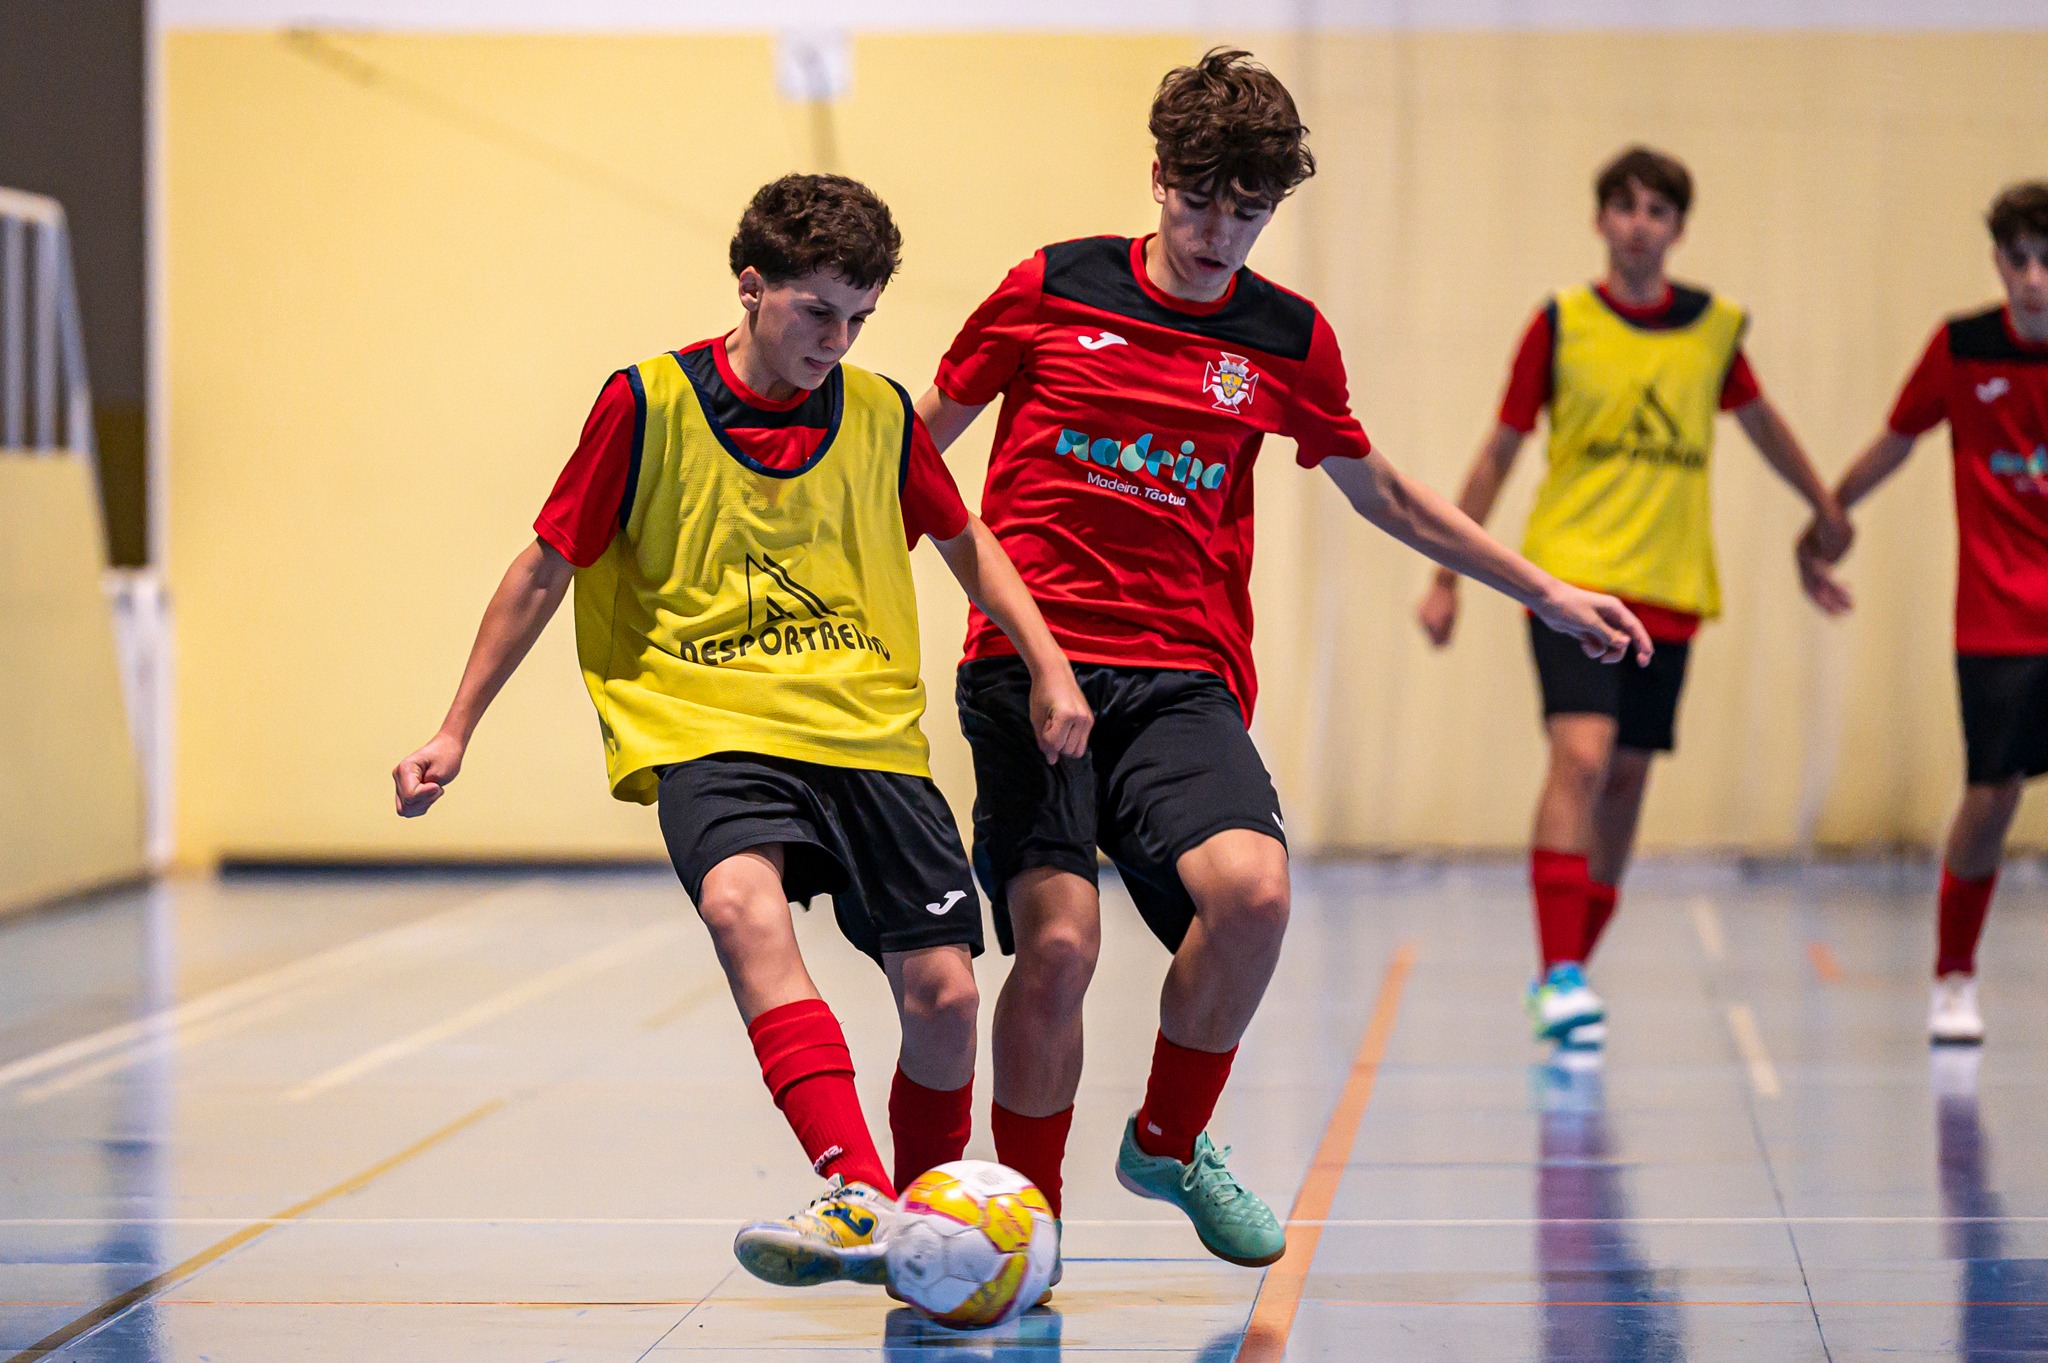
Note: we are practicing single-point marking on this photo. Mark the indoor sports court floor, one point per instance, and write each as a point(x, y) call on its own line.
point(502, 1117)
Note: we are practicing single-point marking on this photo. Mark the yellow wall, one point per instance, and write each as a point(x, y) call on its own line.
point(70, 799)
point(400, 266)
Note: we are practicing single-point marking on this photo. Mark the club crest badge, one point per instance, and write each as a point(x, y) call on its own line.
point(1230, 380)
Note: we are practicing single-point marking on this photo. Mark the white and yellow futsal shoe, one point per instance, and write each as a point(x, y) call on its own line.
point(1952, 1017)
point(841, 1237)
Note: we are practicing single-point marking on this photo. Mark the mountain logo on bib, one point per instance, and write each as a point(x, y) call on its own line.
point(1652, 436)
point(774, 596)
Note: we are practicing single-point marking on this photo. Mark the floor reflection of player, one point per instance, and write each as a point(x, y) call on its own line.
point(1601, 1299)
point(2004, 1302)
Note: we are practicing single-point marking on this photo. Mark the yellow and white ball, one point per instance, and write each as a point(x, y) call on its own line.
point(974, 1245)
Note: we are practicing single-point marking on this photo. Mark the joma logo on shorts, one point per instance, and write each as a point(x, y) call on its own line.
point(1181, 467)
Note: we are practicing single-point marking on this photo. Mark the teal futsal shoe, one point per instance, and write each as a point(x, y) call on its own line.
point(1232, 1221)
point(1562, 1003)
point(840, 1237)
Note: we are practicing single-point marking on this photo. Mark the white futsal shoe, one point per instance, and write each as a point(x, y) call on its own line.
point(1953, 1019)
point(1562, 1003)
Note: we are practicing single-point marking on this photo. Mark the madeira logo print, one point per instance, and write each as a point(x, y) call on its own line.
point(1651, 437)
point(1176, 468)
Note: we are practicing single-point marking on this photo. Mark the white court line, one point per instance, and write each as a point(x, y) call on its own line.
point(1452, 1223)
point(518, 996)
point(155, 1029)
point(1763, 1075)
point(1706, 921)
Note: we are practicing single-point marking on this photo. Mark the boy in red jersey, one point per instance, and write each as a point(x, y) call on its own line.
point(1631, 372)
point(1138, 379)
point(747, 627)
point(1985, 374)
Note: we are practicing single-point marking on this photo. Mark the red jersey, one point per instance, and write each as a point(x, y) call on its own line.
point(1121, 479)
point(1991, 388)
point(1531, 385)
point(594, 493)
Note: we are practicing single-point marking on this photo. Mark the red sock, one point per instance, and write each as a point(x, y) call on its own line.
point(1960, 922)
point(930, 1126)
point(1035, 1147)
point(807, 1067)
point(1559, 881)
point(1180, 1097)
point(1600, 904)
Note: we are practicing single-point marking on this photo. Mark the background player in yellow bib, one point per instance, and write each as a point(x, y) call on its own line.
point(1632, 371)
point(737, 521)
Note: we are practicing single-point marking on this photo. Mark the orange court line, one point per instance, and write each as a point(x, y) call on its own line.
point(141, 1292)
point(1824, 963)
point(1265, 1337)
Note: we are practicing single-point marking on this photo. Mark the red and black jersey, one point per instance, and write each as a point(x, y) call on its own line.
point(593, 495)
point(1991, 388)
point(1121, 479)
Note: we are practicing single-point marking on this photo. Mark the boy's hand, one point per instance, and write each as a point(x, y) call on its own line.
point(1060, 715)
point(423, 777)
point(1605, 628)
point(1439, 611)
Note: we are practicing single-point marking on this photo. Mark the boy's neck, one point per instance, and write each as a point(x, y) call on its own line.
point(1637, 291)
point(2031, 327)
point(1160, 271)
point(743, 352)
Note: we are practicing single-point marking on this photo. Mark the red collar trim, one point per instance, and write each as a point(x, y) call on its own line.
point(739, 386)
point(1165, 299)
point(1639, 314)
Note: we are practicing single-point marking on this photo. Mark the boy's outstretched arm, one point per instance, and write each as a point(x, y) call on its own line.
point(520, 609)
point(944, 418)
point(1425, 521)
point(1439, 609)
point(1830, 532)
point(1060, 716)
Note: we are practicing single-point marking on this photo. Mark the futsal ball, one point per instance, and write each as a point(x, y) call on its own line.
point(974, 1244)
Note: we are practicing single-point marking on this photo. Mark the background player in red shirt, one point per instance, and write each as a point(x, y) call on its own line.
point(1986, 375)
point(1138, 379)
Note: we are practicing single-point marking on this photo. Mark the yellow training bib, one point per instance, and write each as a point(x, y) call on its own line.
point(741, 609)
point(1626, 506)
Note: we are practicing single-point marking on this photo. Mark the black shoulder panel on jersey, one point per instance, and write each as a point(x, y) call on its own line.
point(1984, 336)
point(1261, 316)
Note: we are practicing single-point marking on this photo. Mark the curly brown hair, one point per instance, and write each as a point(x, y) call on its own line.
point(1226, 125)
point(1657, 171)
point(2020, 208)
point(802, 223)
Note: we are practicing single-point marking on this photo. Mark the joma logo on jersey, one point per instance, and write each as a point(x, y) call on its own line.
point(1181, 467)
point(1230, 380)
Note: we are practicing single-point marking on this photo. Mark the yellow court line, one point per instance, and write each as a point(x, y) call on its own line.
point(1265, 1337)
point(141, 1292)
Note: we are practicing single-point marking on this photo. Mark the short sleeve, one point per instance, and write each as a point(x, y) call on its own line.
point(1528, 391)
point(591, 496)
point(1923, 402)
point(1318, 416)
point(992, 345)
point(1740, 388)
point(930, 497)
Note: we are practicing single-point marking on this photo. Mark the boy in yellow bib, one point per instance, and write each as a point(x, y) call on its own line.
point(1633, 372)
point(737, 521)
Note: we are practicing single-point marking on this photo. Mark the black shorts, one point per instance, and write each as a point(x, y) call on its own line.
point(1169, 765)
point(2005, 715)
point(882, 844)
point(1643, 701)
